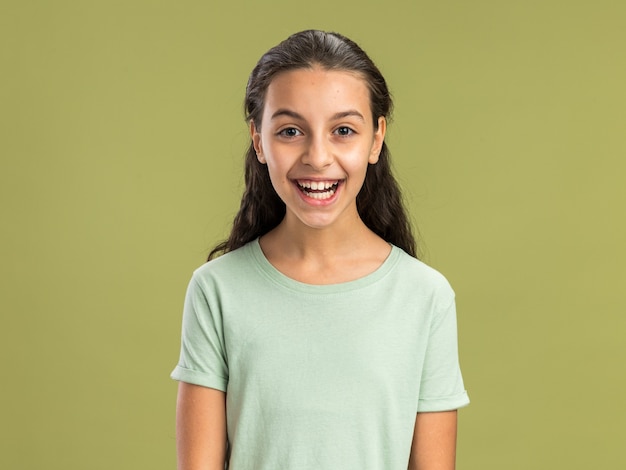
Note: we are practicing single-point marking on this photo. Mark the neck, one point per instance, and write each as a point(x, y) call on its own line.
point(306, 242)
point(324, 256)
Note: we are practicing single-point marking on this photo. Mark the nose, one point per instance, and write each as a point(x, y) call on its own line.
point(318, 153)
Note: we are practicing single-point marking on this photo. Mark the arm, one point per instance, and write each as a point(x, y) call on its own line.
point(434, 441)
point(200, 427)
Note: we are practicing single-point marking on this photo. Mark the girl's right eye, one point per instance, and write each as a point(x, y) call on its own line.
point(289, 132)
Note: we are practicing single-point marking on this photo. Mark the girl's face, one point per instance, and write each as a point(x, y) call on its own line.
point(317, 138)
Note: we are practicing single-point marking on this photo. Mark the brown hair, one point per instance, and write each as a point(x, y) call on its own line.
point(379, 202)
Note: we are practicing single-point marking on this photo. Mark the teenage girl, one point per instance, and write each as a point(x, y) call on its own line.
point(314, 338)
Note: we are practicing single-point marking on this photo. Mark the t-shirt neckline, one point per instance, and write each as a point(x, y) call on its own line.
point(269, 271)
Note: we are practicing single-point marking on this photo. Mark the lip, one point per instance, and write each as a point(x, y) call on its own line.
point(336, 187)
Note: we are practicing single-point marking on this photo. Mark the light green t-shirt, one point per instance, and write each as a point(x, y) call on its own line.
point(321, 376)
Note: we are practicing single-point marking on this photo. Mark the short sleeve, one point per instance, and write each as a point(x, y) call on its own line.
point(202, 353)
point(442, 387)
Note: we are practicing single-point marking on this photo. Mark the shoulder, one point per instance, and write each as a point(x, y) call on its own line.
point(420, 276)
point(230, 266)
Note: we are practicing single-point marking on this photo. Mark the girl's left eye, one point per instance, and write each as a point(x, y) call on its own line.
point(344, 131)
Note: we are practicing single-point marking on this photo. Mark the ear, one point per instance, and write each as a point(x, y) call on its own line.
point(379, 139)
point(255, 134)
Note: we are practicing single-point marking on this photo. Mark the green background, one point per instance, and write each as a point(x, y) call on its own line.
point(121, 142)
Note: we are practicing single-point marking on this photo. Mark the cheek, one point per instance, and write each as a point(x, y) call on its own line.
point(278, 175)
point(279, 161)
point(358, 160)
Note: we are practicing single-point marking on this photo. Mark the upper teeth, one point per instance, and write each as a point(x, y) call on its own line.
point(317, 184)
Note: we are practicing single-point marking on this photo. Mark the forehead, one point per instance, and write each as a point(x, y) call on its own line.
point(318, 90)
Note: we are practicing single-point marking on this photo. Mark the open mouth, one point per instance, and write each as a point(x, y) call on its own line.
point(319, 190)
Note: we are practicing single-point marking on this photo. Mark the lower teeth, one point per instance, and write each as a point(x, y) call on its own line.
point(324, 195)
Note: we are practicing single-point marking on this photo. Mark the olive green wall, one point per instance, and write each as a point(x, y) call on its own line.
point(121, 136)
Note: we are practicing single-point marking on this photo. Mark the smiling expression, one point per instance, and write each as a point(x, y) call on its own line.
point(317, 139)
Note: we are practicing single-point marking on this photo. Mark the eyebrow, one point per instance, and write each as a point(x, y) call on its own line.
point(287, 112)
point(339, 115)
point(349, 113)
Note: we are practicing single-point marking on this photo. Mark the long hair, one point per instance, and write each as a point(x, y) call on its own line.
point(379, 201)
